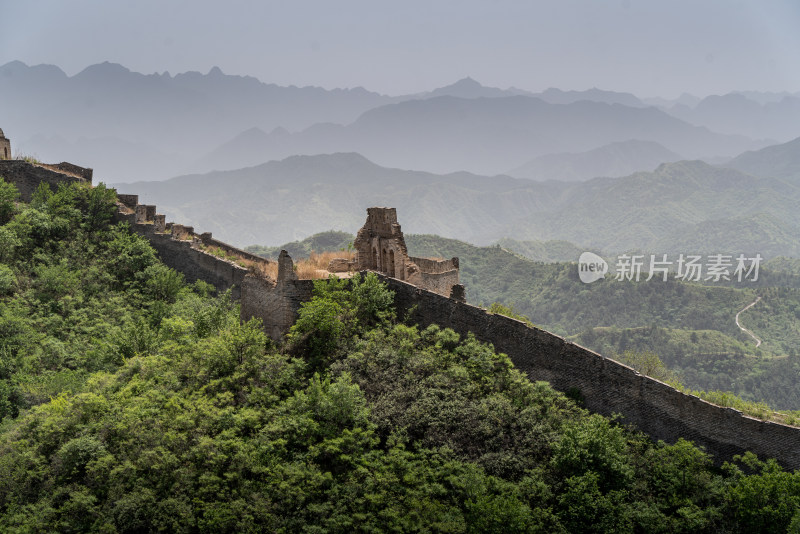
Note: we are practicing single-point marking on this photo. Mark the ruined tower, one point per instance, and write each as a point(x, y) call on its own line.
point(5, 146)
point(381, 247)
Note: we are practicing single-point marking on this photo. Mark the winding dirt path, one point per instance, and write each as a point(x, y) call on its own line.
point(743, 329)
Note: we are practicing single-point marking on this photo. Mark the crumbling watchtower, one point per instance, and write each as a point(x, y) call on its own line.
point(381, 247)
point(5, 146)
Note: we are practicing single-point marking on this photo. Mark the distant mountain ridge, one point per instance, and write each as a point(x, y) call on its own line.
point(183, 117)
point(130, 126)
point(470, 88)
point(489, 135)
point(679, 206)
point(776, 161)
point(558, 96)
point(615, 159)
point(758, 116)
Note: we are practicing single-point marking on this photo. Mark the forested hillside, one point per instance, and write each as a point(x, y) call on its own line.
point(690, 326)
point(135, 403)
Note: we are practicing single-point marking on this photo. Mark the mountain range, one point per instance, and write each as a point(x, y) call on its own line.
point(486, 135)
point(740, 113)
point(776, 161)
point(130, 126)
point(114, 120)
point(685, 206)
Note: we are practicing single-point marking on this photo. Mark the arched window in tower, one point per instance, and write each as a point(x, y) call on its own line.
point(391, 263)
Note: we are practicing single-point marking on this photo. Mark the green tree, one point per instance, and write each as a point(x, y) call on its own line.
point(647, 363)
point(7, 280)
point(766, 501)
point(509, 311)
point(8, 195)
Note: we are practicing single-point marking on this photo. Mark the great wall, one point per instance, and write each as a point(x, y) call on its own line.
point(428, 292)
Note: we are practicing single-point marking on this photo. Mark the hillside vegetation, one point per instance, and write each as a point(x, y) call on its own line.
point(178, 417)
point(690, 326)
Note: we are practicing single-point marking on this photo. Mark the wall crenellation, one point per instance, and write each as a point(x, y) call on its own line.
point(180, 248)
point(427, 292)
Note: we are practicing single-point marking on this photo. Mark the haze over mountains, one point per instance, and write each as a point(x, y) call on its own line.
point(777, 161)
point(614, 159)
point(687, 206)
point(489, 135)
point(594, 168)
point(131, 126)
point(736, 113)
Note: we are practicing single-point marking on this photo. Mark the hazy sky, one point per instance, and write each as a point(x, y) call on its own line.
point(658, 47)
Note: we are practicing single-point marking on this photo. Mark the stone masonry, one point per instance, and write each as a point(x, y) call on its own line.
point(381, 247)
point(27, 176)
point(276, 302)
point(180, 248)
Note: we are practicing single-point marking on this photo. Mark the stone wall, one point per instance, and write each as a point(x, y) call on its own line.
point(27, 176)
point(607, 386)
point(435, 266)
point(277, 305)
point(183, 255)
point(209, 241)
point(69, 168)
point(441, 283)
point(275, 302)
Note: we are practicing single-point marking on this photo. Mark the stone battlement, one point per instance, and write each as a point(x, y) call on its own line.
point(198, 257)
point(607, 386)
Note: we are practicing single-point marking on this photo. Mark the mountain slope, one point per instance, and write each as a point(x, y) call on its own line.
point(614, 159)
point(558, 96)
point(291, 199)
point(736, 113)
point(491, 135)
point(777, 161)
point(186, 115)
point(634, 212)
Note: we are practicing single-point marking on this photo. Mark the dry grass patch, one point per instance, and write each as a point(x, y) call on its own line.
point(316, 265)
point(311, 268)
point(266, 270)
